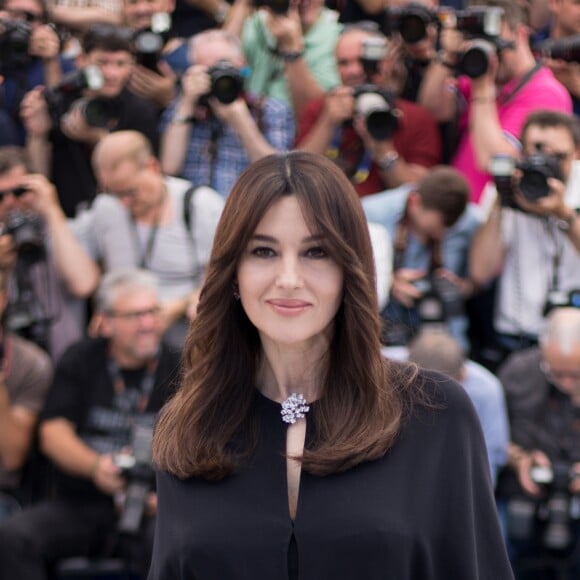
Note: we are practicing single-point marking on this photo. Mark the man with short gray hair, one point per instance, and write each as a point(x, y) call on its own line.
point(103, 391)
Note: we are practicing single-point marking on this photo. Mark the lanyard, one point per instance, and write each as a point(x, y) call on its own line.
point(123, 401)
point(503, 99)
point(364, 166)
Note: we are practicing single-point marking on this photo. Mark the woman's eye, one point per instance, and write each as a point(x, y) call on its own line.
point(263, 252)
point(316, 252)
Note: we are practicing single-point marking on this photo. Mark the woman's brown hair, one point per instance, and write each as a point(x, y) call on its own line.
point(363, 396)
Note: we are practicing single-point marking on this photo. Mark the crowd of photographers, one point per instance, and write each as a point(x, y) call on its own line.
point(124, 124)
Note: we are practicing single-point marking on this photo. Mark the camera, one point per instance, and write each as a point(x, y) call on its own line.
point(474, 61)
point(149, 43)
point(377, 107)
point(227, 82)
point(136, 467)
point(279, 7)
point(536, 170)
point(567, 49)
point(440, 300)
point(374, 50)
point(556, 511)
point(62, 97)
point(410, 22)
point(27, 238)
point(14, 41)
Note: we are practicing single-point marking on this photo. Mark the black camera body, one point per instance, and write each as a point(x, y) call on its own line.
point(136, 466)
point(567, 49)
point(439, 302)
point(227, 82)
point(279, 7)
point(536, 170)
point(27, 236)
point(410, 22)
point(377, 107)
point(562, 299)
point(149, 43)
point(14, 43)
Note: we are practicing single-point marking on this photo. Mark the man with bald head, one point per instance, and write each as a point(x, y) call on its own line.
point(146, 220)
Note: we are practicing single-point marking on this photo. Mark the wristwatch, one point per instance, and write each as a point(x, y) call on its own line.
point(564, 224)
point(181, 119)
point(388, 160)
point(291, 56)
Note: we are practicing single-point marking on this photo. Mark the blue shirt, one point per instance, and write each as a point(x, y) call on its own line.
point(276, 122)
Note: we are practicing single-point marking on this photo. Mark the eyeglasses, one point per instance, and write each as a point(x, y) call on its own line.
point(15, 191)
point(135, 315)
point(556, 377)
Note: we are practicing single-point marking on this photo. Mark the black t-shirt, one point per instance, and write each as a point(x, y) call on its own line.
point(83, 392)
point(72, 173)
point(425, 511)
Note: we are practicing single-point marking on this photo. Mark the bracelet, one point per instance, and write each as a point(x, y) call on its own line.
point(181, 119)
point(388, 160)
point(483, 100)
point(291, 56)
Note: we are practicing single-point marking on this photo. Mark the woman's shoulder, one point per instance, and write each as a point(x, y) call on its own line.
point(430, 393)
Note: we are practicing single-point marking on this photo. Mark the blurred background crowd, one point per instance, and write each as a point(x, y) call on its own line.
point(124, 125)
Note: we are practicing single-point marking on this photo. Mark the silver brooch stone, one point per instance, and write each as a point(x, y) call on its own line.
point(293, 408)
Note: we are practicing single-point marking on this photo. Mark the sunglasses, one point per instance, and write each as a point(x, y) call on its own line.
point(15, 191)
point(30, 17)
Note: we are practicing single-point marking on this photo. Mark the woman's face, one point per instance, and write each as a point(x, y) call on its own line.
point(289, 287)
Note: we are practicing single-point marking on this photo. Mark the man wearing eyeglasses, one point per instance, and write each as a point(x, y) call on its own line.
point(542, 387)
point(104, 391)
point(533, 247)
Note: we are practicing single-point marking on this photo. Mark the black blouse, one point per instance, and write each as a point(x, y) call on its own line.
point(424, 511)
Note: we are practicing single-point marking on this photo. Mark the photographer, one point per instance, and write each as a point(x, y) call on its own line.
point(65, 124)
point(45, 291)
point(214, 130)
point(431, 226)
point(289, 46)
point(561, 52)
point(29, 55)
point(25, 375)
point(102, 389)
point(153, 78)
point(542, 387)
point(506, 85)
point(533, 246)
point(339, 126)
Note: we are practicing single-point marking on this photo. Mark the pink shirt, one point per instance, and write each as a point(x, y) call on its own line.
point(542, 91)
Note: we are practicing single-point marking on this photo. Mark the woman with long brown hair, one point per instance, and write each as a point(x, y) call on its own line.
point(293, 449)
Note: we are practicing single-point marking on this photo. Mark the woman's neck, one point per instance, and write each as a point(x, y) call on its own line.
point(284, 371)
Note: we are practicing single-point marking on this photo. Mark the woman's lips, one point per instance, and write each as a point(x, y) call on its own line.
point(288, 307)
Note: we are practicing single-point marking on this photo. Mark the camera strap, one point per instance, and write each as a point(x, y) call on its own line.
point(504, 99)
point(123, 401)
point(363, 169)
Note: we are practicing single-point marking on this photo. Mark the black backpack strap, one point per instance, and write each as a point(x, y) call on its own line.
point(187, 217)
